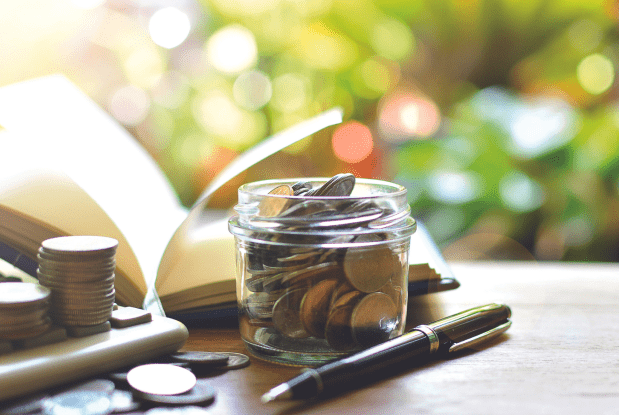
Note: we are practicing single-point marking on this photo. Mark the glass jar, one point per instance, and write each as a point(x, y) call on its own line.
point(320, 277)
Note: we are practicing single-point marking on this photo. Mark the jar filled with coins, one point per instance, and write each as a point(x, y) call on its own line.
point(322, 266)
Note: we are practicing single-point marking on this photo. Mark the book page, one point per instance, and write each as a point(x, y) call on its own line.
point(61, 124)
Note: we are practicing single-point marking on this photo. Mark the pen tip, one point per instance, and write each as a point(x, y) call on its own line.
point(278, 393)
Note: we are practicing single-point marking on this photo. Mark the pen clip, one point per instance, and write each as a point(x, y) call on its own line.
point(480, 338)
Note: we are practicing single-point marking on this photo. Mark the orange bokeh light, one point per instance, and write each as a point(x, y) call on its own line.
point(352, 142)
point(404, 116)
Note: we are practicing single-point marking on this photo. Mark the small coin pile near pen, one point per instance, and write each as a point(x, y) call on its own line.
point(79, 271)
point(348, 296)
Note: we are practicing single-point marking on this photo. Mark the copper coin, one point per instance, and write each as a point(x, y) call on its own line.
point(341, 289)
point(369, 268)
point(315, 307)
point(338, 331)
point(273, 206)
point(373, 319)
point(286, 314)
point(347, 299)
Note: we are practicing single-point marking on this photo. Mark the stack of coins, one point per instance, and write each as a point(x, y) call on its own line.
point(350, 296)
point(79, 271)
point(23, 310)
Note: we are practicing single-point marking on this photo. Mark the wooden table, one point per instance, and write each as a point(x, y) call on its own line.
point(561, 355)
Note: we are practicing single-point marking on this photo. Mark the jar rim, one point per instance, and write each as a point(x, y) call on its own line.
point(250, 188)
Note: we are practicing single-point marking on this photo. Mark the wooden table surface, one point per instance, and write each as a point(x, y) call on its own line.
point(561, 355)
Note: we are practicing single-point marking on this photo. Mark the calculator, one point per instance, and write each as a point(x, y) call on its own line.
point(29, 369)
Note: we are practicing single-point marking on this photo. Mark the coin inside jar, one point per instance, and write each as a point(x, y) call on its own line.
point(373, 319)
point(273, 206)
point(286, 314)
point(369, 268)
point(315, 307)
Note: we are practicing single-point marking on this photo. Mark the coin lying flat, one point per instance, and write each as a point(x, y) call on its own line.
point(198, 358)
point(235, 360)
point(161, 379)
point(83, 402)
point(80, 245)
point(23, 294)
point(202, 393)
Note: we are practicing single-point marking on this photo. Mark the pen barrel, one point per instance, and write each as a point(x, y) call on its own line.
point(469, 323)
point(410, 348)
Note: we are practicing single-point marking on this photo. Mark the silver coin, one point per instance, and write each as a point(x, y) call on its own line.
point(80, 245)
point(200, 358)
point(235, 360)
point(83, 402)
point(122, 401)
point(23, 294)
point(202, 393)
point(286, 315)
point(161, 379)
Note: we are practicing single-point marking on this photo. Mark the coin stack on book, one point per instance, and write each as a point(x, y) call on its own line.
point(23, 310)
point(79, 271)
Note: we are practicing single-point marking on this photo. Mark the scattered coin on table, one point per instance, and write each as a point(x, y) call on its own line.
point(161, 379)
point(202, 393)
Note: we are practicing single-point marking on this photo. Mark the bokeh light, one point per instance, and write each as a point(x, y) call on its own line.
point(252, 90)
point(88, 4)
point(520, 193)
point(169, 27)
point(405, 116)
point(454, 187)
point(232, 49)
point(129, 105)
point(289, 92)
point(596, 74)
point(392, 39)
point(352, 142)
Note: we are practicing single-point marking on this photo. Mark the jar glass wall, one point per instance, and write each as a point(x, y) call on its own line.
point(320, 276)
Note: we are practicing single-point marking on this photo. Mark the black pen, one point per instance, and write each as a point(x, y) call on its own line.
point(450, 334)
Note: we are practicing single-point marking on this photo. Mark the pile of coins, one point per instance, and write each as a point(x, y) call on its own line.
point(350, 296)
point(170, 383)
point(79, 271)
point(23, 310)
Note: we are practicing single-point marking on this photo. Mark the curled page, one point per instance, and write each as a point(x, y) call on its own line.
point(187, 236)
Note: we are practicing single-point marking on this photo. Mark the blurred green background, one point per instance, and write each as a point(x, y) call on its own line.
point(499, 116)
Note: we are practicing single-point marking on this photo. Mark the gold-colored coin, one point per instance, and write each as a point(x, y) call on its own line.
point(338, 331)
point(273, 206)
point(347, 299)
point(369, 268)
point(342, 289)
point(373, 319)
point(286, 314)
point(315, 307)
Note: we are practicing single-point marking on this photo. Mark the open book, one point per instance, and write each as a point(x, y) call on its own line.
point(69, 169)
